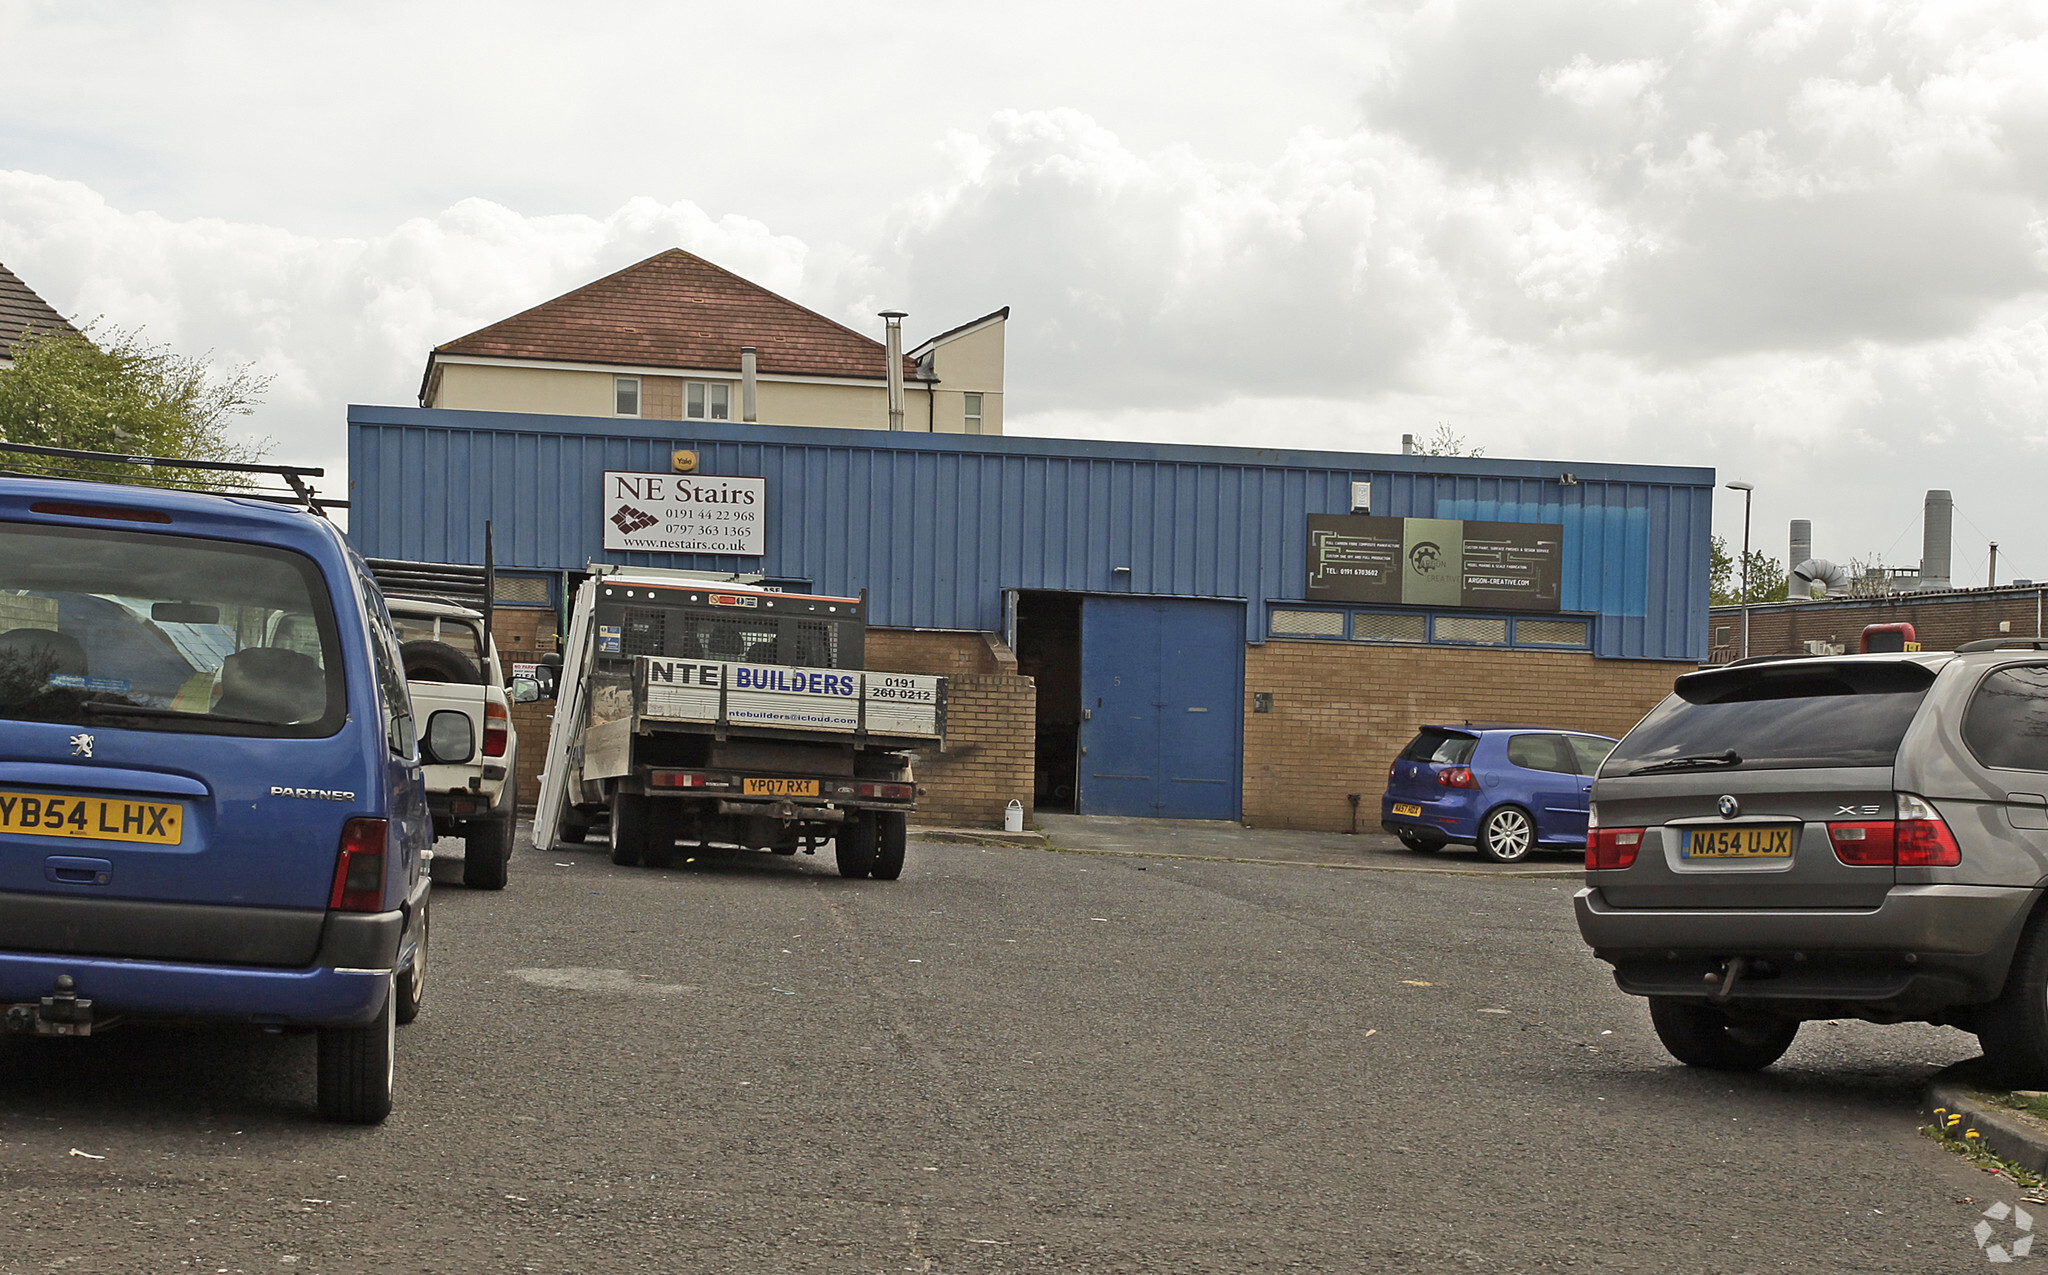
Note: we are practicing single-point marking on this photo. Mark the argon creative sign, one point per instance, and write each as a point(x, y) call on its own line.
point(1510, 566)
point(677, 513)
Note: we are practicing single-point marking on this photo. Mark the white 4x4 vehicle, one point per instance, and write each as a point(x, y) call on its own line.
point(467, 744)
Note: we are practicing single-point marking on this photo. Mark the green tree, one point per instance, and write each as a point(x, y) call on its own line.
point(1767, 580)
point(121, 394)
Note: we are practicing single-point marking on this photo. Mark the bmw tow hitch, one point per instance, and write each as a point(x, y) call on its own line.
point(1721, 986)
point(63, 1013)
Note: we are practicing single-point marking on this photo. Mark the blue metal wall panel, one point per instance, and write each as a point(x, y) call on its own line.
point(935, 527)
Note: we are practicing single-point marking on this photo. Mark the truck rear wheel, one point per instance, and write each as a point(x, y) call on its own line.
point(629, 828)
point(854, 847)
point(892, 836)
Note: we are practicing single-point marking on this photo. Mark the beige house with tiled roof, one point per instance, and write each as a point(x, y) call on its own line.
point(21, 312)
point(675, 337)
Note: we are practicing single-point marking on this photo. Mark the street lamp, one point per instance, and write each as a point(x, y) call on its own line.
point(1745, 489)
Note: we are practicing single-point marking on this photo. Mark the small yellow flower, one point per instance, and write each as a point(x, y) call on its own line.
point(1941, 1111)
point(1955, 1120)
point(1972, 1134)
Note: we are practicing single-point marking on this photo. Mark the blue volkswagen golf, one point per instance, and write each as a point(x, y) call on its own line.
point(1508, 790)
point(210, 796)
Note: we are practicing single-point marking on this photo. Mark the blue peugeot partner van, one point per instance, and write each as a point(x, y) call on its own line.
point(210, 795)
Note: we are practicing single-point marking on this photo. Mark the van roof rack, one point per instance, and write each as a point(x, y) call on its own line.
point(296, 491)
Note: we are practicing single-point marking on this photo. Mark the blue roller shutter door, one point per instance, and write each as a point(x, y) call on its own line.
point(1162, 687)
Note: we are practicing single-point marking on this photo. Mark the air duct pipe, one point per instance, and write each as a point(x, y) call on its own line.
point(1832, 577)
point(1802, 544)
point(1938, 531)
point(893, 351)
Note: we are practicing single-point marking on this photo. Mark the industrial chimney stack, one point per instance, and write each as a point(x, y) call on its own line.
point(1937, 533)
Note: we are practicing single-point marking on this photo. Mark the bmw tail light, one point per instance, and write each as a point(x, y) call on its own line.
point(1918, 838)
point(497, 729)
point(1924, 839)
point(1457, 777)
point(359, 870)
point(1866, 844)
point(1612, 849)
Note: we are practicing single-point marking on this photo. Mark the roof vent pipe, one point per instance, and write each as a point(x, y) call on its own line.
point(748, 402)
point(1802, 546)
point(1407, 444)
point(1832, 577)
point(893, 351)
point(1938, 531)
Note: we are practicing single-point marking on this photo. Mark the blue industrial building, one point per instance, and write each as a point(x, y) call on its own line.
point(968, 532)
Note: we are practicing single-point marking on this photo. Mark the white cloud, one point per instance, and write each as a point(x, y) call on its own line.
point(1806, 242)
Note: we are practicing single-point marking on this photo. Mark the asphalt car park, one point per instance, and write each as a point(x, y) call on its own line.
point(1011, 1059)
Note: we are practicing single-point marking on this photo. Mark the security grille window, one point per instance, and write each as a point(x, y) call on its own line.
point(626, 395)
point(523, 591)
point(973, 413)
point(1372, 626)
point(643, 631)
point(2007, 725)
point(707, 401)
point(1470, 630)
point(1550, 633)
point(817, 645)
point(718, 637)
point(1308, 624)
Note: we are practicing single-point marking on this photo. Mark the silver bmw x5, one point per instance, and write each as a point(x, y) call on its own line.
point(1858, 836)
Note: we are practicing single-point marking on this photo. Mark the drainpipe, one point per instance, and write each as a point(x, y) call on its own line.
point(747, 399)
point(893, 351)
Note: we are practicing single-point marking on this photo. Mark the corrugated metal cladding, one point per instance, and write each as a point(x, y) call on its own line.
point(935, 527)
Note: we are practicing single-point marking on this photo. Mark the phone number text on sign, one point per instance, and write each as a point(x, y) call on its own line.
point(677, 513)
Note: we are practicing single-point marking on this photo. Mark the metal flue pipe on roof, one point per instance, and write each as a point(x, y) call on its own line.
point(1937, 535)
point(893, 352)
point(1802, 542)
point(749, 398)
point(1832, 577)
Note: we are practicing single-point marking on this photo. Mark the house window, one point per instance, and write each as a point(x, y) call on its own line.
point(707, 401)
point(973, 413)
point(626, 395)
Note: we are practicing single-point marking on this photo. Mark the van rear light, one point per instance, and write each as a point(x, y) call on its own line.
point(675, 779)
point(98, 511)
point(359, 872)
point(888, 792)
point(1918, 838)
point(1457, 777)
point(497, 729)
point(1612, 849)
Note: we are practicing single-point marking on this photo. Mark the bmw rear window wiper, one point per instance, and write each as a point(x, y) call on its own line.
point(99, 708)
point(1728, 757)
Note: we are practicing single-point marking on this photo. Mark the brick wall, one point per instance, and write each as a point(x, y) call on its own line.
point(1939, 621)
point(1342, 711)
point(990, 735)
point(941, 651)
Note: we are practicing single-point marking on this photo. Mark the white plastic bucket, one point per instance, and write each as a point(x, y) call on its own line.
point(1013, 816)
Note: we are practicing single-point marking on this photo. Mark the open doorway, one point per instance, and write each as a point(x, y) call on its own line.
point(1049, 652)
